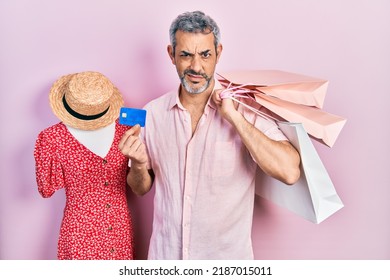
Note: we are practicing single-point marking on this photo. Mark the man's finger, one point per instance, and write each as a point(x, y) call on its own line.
point(137, 129)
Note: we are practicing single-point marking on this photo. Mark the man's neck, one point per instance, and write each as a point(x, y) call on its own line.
point(199, 100)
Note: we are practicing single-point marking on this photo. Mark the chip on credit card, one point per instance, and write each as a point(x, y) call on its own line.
point(132, 116)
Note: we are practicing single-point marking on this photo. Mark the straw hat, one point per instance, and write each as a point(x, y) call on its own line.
point(86, 100)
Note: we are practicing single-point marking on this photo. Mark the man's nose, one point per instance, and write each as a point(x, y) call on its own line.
point(196, 64)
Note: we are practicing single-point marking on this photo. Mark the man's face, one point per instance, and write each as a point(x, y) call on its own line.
point(195, 58)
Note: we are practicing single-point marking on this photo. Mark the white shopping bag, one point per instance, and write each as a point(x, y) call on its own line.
point(314, 196)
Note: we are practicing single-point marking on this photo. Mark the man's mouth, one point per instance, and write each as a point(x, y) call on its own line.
point(194, 77)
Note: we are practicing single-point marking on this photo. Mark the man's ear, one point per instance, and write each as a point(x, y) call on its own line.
point(171, 54)
point(219, 51)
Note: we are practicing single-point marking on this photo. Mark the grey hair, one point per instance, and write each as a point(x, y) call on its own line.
point(194, 22)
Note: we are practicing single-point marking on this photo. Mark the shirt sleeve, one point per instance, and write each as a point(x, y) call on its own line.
point(266, 125)
point(48, 169)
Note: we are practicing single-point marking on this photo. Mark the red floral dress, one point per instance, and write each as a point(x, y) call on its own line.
point(96, 223)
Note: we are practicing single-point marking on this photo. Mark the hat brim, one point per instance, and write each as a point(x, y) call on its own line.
point(57, 105)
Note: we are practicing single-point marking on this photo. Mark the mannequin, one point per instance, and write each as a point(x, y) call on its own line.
point(80, 154)
point(98, 141)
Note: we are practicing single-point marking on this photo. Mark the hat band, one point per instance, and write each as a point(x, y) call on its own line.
point(81, 116)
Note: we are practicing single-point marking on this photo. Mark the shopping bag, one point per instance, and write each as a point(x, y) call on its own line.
point(321, 125)
point(292, 97)
point(292, 87)
point(314, 196)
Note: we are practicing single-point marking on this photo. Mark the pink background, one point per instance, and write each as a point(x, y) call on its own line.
point(346, 42)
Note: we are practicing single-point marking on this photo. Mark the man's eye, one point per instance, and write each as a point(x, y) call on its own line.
point(206, 55)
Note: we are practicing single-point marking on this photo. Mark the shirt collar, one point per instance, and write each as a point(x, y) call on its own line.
point(175, 101)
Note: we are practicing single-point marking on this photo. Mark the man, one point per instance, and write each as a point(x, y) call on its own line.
point(201, 152)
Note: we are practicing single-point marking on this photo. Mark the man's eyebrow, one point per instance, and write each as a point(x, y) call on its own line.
point(191, 54)
point(186, 53)
point(205, 52)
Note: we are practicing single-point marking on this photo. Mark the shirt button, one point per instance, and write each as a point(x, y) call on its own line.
point(106, 183)
point(110, 228)
point(112, 250)
point(108, 205)
point(104, 161)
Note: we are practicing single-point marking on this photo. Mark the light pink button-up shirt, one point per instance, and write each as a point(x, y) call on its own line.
point(204, 184)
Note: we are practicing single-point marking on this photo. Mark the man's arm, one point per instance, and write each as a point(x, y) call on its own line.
point(278, 159)
point(140, 179)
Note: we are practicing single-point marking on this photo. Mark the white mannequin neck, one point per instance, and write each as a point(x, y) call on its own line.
point(98, 141)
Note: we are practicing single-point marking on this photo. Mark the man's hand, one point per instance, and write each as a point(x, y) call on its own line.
point(132, 146)
point(226, 106)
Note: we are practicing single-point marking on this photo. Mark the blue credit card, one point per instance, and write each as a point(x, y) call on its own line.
point(131, 116)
